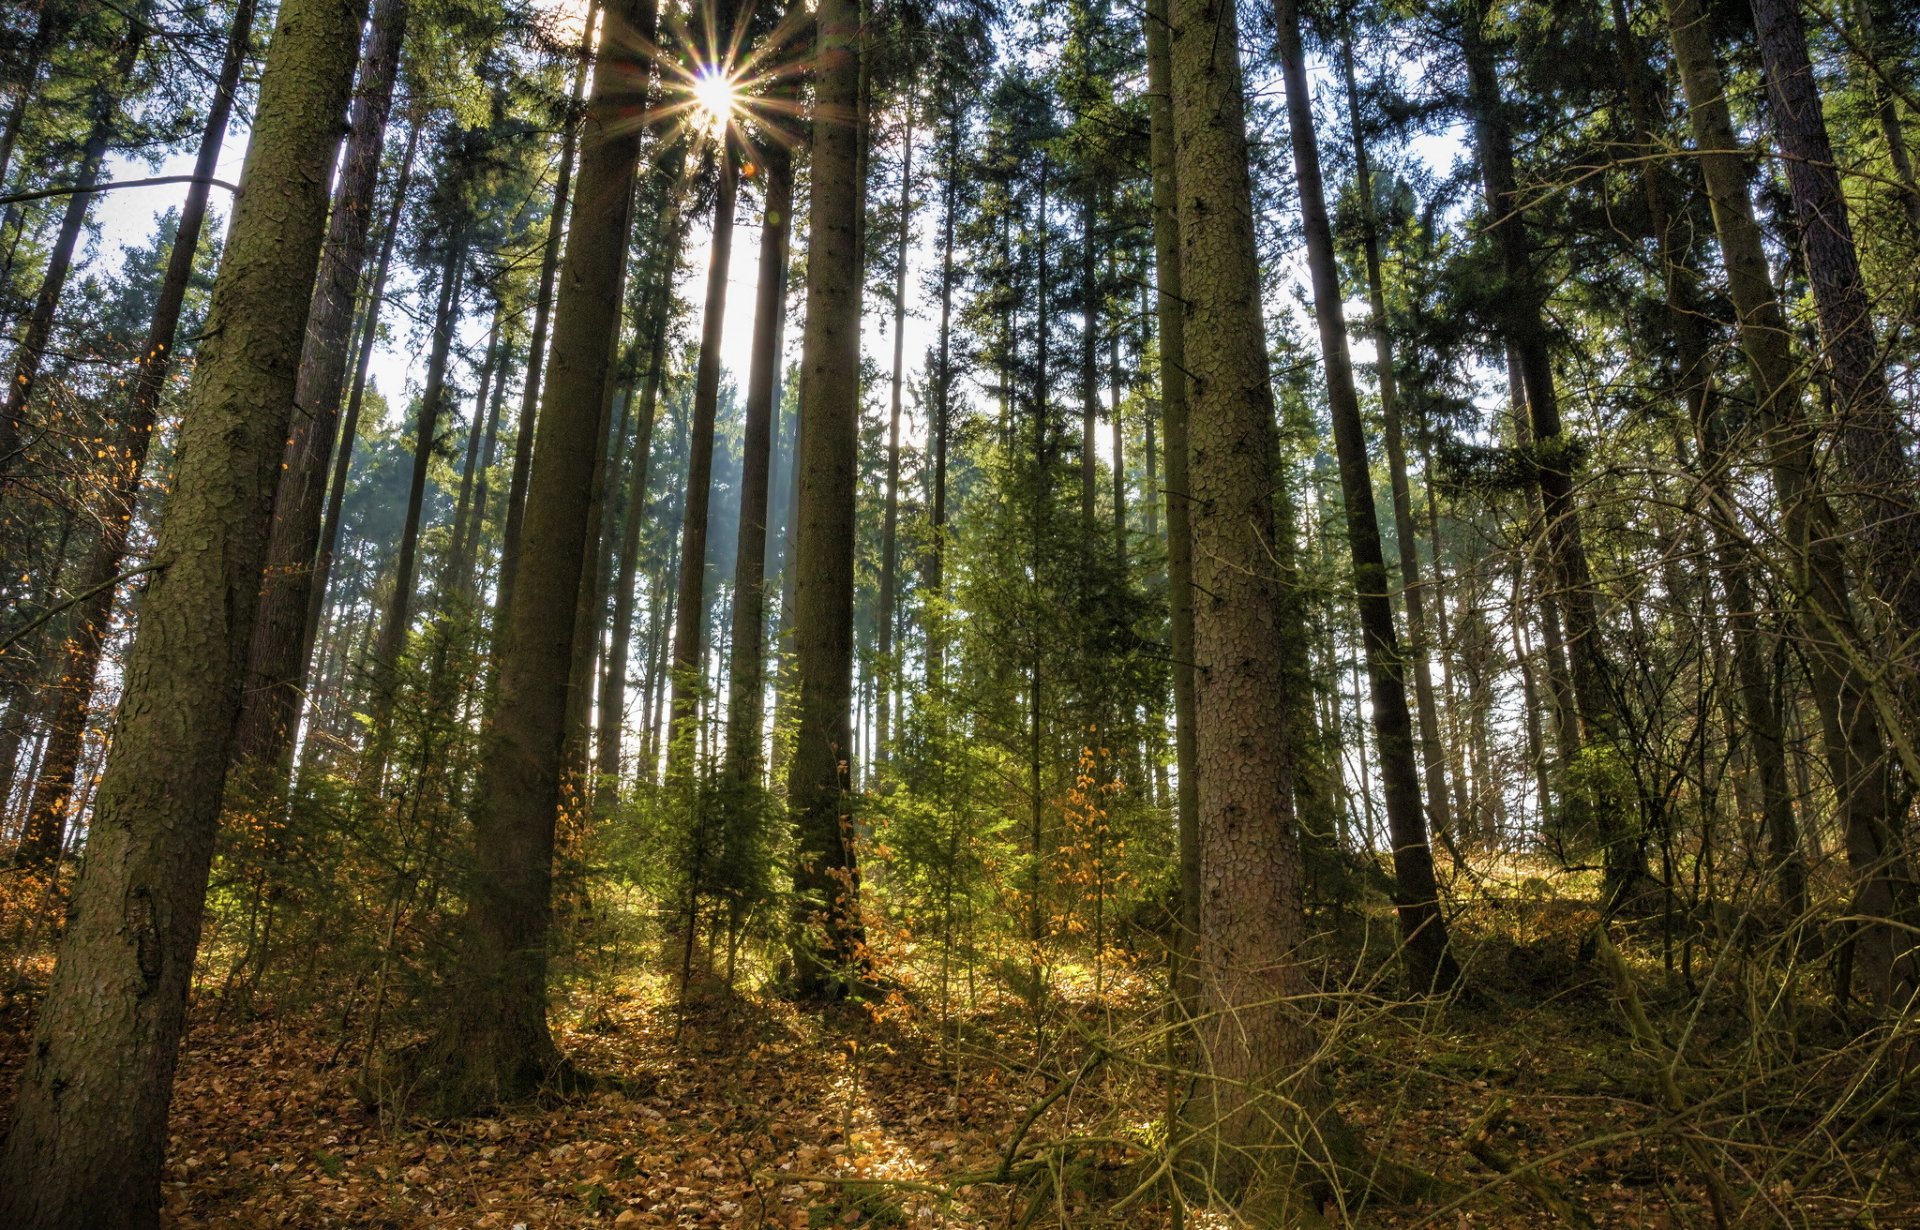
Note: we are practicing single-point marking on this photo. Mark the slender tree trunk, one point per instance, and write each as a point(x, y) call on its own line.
point(395, 620)
point(1119, 439)
point(467, 545)
point(1430, 966)
point(53, 792)
point(493, 1043)
point(745, 667)
point(1258, 1093)
point(826, 871)
point(1089, 369)
point(1523, 322)
point(542, 314)
point(1170, 307)
point(689, 630)
point(329, 541)
point(1854, 740)
point(885, 667)
point(103, 113)
point(943, 407)
point(277, 672)
point(45, 28)
point(88, 1130)
point(1876, 446)
point(1432, 750)
point(476, 432)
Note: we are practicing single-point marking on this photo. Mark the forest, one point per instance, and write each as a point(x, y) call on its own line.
point(959, 613)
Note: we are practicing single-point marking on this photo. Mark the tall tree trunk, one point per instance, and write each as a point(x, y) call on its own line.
point(88, 1130)
point(1760, 710)
point(47, 15)
point(53, 791)
point(1524, 324)
point(943, 406)
point(690, 629)
point(1258, 1040)
point(1430, 966)
point(537, 345)
point(277, 672)
point(103, 113)
point(465, 555)
point(476, 432)
point(1119, 438)
point(745, 667)
point(329, 540)
point(1433, 754)
point(826, 872)
point(883, 619)
point(1170, 309)
point(1854, 740)
point(1089, 368)
point(1876, 446)
point(395, 620)
point(493, 1043)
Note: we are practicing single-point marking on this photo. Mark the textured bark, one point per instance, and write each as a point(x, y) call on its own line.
point(826, 871)
point(103, 111)
point(542, 316)
point(1423, 930)
point(1433, 755)
point(690, 629)
point(1170, 316)
point(1875, 445)
point(494, 1044)
point(48, 813)
point(1258, 1041)
point(885, 667)
point(746, 661)
point(88, 1130)
point(277, 673)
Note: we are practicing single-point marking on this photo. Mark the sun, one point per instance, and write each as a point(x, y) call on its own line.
point(714, 100)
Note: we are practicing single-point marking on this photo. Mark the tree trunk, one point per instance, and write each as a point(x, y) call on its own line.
point(493, 1044)
point(350, 423)
point(1433, 753)
point(1524, 324)
point(277, 671)
point(395, 620)
point(1430, 967)
point(689, 630)
point(103, 110)
point(1852, 734)
point(745, 677)
point(885, 667)
point(1170, 309)
point(826, 873)
point(52, 798)
point(1089, 368)
point(537, 345)
point(943, 407)
point(1874, 443)
point(1258, 1040)
point(88, 1131)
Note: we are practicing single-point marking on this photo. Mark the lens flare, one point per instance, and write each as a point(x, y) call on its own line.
point(713, 101)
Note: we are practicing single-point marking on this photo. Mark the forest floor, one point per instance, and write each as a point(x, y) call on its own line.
point(745, 1111)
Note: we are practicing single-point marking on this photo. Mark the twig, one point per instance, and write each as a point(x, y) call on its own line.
point(78, 598)
point(1478, 1141)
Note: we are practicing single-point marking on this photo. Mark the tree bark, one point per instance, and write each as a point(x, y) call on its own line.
point(1423, 929)
point(690, 629)
point(494, 1044)
point(746, 665)
point(88, 1130)
point(537, 344)
point(885, 667)
point(277, 673)
point(1259, 1043)
point(1170, 310)
point(1875, 444)
point(826, 870)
